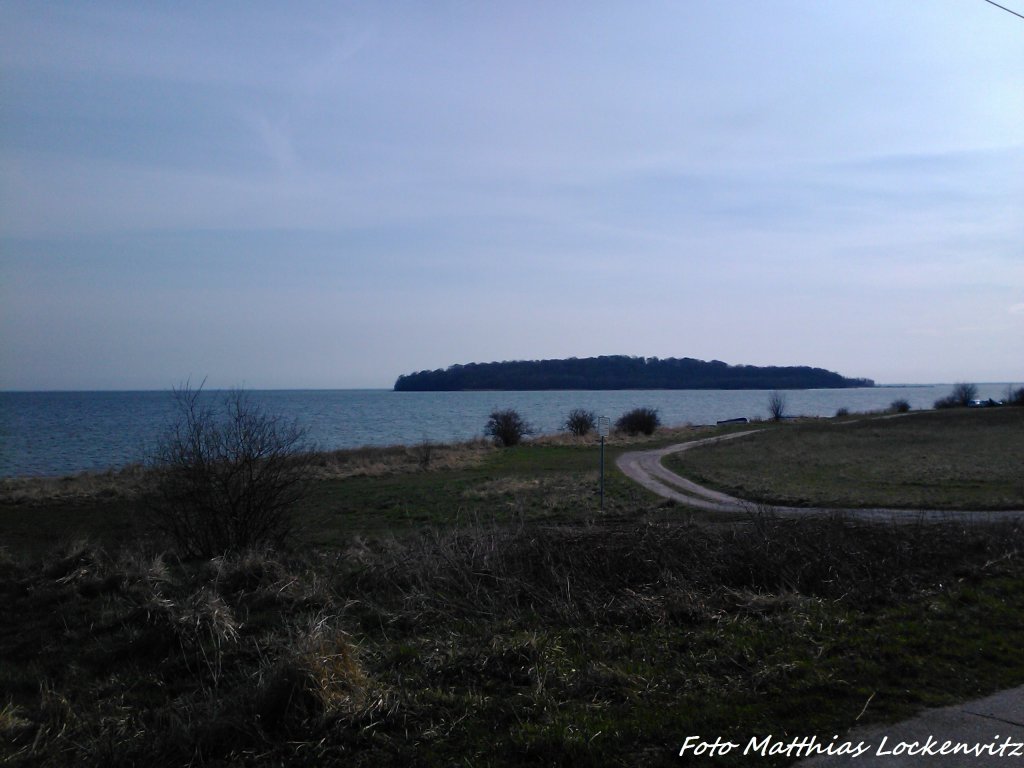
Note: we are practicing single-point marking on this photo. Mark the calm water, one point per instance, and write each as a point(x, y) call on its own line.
point(57, 433)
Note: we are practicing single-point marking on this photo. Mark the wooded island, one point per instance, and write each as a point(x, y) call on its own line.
point(621, 372)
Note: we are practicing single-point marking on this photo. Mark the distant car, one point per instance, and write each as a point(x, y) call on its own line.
point(984, 403)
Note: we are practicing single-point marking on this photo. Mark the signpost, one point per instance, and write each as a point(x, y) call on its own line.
point(603, 424)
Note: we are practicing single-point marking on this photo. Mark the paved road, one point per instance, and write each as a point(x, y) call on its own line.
point(980, 734)
point(645, 467)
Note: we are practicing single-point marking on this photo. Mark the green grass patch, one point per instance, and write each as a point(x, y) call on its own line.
point(958, 459)
point(363, 491)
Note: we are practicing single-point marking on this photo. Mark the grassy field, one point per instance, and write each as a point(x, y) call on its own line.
point(484, 611)
point(960, 459)
point(365, 491)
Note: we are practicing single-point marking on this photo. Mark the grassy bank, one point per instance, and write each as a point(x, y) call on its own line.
point(367, 490)
point(481, 609)
point(961, 459)
point(502, 645)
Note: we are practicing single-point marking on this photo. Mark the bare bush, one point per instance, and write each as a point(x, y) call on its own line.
point(639, 421)
point(580, 422)
point(777, 406)
point(964, 393)
point(900, 406)
point(961, 396)
point(507, 427)
point(227, 474)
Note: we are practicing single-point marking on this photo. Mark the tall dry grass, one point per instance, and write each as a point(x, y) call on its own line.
point(127, 482)
point(134, 480)
point(423, 646)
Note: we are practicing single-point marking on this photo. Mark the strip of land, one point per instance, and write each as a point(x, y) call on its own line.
point(621, 372)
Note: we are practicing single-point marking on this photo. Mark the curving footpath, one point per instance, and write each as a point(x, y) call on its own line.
point(978, 734)
point(645, 468)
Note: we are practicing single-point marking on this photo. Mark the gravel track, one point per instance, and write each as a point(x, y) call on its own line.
point(645, 468)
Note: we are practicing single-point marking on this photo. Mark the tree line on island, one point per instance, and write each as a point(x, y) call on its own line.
point(621, 372)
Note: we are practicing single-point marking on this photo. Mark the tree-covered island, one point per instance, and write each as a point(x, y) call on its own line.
point(621, 372)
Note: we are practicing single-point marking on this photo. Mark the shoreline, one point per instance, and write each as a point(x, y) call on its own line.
point(53, 435)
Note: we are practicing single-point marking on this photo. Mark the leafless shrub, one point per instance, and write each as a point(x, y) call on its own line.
point(639, 421)
point(580, 422)
point(960, 397)
point(226, 475)
point(507, 427)
point(777, 406)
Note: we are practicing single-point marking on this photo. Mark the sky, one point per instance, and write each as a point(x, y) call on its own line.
point(329, 195)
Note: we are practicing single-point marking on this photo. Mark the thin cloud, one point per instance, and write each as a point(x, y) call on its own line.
point(800, 184)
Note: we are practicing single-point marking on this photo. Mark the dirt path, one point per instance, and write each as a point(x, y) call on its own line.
point(645, 468)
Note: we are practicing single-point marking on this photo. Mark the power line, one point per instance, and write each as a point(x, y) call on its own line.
point(997, 5)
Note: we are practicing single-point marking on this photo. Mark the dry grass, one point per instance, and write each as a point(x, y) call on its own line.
point(129, 659)
point(400, 459)
point(316, 682)
point(505, 487)
point(618, 438)
point(128, 482)
point(499, 644)
point(132, 481)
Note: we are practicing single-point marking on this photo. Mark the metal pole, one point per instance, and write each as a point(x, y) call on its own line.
point(602, 471)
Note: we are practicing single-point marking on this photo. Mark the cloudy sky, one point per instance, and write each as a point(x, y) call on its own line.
point(330, 195)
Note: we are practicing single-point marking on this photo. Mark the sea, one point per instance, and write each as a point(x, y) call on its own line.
point(63, 433)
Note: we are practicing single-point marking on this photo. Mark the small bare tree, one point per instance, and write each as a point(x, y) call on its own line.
point(961, 397)
point(227, 474)
point(964, 393)
point(580, 422)
point(1014, 396)
point(777, 405)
